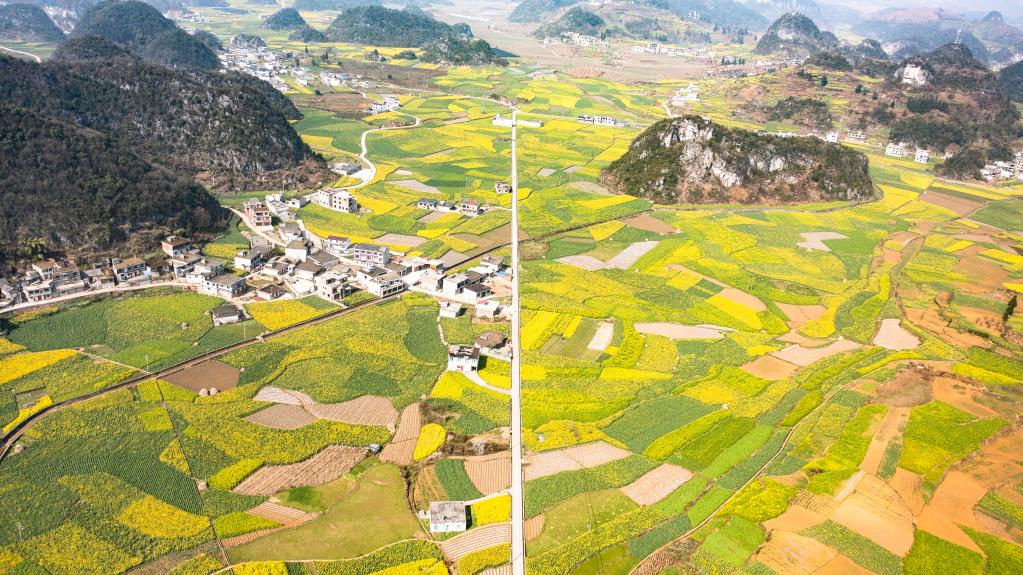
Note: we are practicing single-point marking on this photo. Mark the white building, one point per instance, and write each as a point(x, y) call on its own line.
point(1018, 166)
point(371, 254)
point(339, 200)
point(463, 358)
point(922, 156)
point(895, 150)
point(914, 75)
point(831, 138)
point(448, 517)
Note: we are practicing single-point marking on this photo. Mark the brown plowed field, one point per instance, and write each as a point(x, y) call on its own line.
point(657, 484)
point(572, 458)
point(877, 512)
point(286, 396)
point(365, 410)
point(403, 445)
point(327, 465)
point(282, 416)
point(533, 527)
point(277, 512)
point(490, 473)
point(476, 539)
point(207, 374)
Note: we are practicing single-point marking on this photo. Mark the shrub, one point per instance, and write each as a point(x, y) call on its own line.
point(431, 437)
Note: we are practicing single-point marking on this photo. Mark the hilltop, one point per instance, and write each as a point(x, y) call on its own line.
point(143, 31)
point(538, 10)
point(576, 20)
point(691, 160)
point(27, 23)
point(794, 34)
point(379, 26)
point(334, 5)
point(285, 19)
point(227, 129)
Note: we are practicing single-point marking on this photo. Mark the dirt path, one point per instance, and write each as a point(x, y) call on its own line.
point(20, 53)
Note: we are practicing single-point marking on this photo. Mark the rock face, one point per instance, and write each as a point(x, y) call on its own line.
point(27, 23)
point(795, 34)
point(691, 160)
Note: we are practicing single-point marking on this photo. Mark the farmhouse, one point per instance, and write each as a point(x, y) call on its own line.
point(336, 245)
point(9, 295)
point(38, 290)
point(296, 250)
point(491, 339)
point(448, 517)
point(346, 168)
point(334, 284)
point(479, 291)
point(371, 254)
point(463, 358)
point(487, 309)
point(270, 292)
point(225, 314)
point(225, 286)
point(322, 258)
point(450, 309)
point(184, 264)
point(434, 205)
point(502, 188)
point(471, 208)
point(831, 138)
point(175, 246)
point(338, 200)
point(258, 213)
point(290, 231)
point(125, 270)
point(493, 264)
point(454, 284)
point(856, 137)
point(308, 270)
point(922, 156)
point(251, 259)
point(895, 150)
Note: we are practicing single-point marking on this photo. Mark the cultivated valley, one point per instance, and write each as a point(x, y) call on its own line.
point(338, 287)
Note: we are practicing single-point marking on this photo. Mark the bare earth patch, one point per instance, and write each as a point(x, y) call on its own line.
point(815, 240)
point(728, 292)
point(286, 396)
point(803, 356)
point(793, 554)
point(796, 518)
point(876, 511)
point(572, 458)
point(330, 463)
point(546, 172)
point(630, 255)
point(590, 187)
point(951, 506)
point(602, 338)
point(800, 315)
point(909, 487)
point(960, 206)
point(401, 239)
point(649, 223)
point(282, 416)
point(365, 410)
point(842, 565)
point(961, 395)
point(476, 540)
point(588, 263)
point(451, 258)
point(402, 446)
point(432, 217)
point(416, 186)
point(533, 527)
point(892, 335)
point(490, 473)
point(770, 367)
point(679, 331)
point(207, 374)
point(277, 512)
point(887, 430)
point(657, 484)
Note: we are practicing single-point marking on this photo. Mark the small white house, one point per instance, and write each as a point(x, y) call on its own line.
point(895, 150)
point(463, 358)
point(922, 156)
point(448, 517)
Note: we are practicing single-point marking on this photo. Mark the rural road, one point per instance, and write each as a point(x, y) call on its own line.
point(91, 293)
point(274, 241)
point(364, 154)
point(20, 53)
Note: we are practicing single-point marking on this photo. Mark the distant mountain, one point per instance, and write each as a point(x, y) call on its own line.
point(142, 30)
point(906, 32)
point(67, 13)
point(691, 160)
point(308, 34)
point(332, 5)
point(1011, 78)
point(27, 23)
point(575, 20)
point(722, 13)
point(954, 103)
point(228, 130)
point(285, 19)
point(868, 48)
point(795, 34)
point(379, 26)
point(538, 10)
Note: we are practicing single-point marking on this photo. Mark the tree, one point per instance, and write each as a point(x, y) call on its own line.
point(824, 80)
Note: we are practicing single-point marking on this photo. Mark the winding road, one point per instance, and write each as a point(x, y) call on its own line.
point(37, 59)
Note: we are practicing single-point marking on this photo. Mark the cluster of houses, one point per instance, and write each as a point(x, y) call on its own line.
point(689, 94)
point(389, 104)
point(576, 39)
point(655, 48)
point(1003, 170)
point(901, 149)
point(264, 64)
point(284, 209)
point(600, 120)
point(337, 199)
point(469, 208)
point(50, 278)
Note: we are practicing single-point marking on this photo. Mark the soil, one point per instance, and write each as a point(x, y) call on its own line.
point(792, 554)
point(877, 512)
point(960, 206)
point(344, 104)
point(206, 375)
point(476, 540)
point(282, 416)
point(630, 255)
point(572, 458)
point(770, 367)
point(657, 484)
point(602, 338)
point(327, 465)
point(962, 395)
point(678, 331)
point(892, 335)
point(796, 518)
point(490, 473)
point(365, 410)
point(803, 356)
point(588, 263)
point(533, 527)
point(951, 506)
point(403, 445)
point(649, 223)
point(890, 427)
point(910, 387)
point(815, 240)
point(908, 485)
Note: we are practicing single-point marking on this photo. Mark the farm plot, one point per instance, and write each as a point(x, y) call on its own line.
point(282, 416)
point(490, 473)
point(205, 375)
point(365, 410)
point(327, 465)
point(657, 484)
point(402, 446)
point(803, 356)
point(572, 458)
point(476, 540)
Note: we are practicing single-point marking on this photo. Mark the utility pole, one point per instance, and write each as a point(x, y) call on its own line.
point(518, 548)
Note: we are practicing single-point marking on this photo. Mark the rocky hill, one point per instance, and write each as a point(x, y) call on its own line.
point(248, 41)
point(691, 160)
point(82, 191)
point(379, 26)
point(308, 34)
point(457, 50)
point(143, 31)
point(954, 102)
point(1011, 78)
point(906, 32)
point(795, 35)
point(285, 19)
point(575, 20)
point(27, 23)
point(228, 130)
